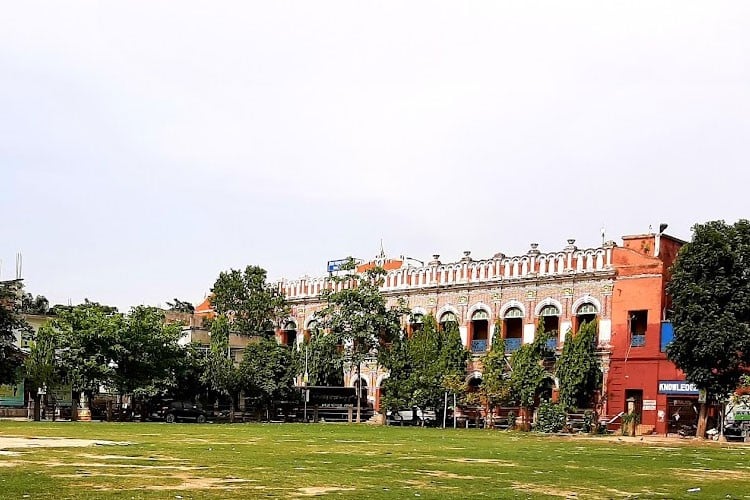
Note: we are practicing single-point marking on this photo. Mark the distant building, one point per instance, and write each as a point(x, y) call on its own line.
point(621, 287)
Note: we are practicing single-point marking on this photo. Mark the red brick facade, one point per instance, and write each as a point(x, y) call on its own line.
point(612, 282)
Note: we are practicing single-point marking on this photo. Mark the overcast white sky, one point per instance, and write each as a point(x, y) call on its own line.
point(146, 146)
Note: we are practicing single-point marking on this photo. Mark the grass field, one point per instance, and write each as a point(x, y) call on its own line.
point(183, 461)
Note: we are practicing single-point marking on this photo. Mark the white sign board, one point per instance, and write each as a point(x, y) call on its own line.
point(649, 404)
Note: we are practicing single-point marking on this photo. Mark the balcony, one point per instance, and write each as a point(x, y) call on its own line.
point(637, 340)
point(478, 346)
point(512, 344)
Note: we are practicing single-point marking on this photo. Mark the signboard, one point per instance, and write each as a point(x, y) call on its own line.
point(677, 387)
point(319, 395)
point(336, 265)
point(63, 395)
point(11, 395)
point(649, 404)
point(742, 415)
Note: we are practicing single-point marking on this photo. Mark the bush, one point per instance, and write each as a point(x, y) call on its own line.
point(550, 417)
point(588, 421)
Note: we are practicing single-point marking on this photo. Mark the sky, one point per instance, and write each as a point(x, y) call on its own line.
point(147, 146)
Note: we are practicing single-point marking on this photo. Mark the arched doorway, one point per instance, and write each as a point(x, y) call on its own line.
point(360, 387)
point(290, 333)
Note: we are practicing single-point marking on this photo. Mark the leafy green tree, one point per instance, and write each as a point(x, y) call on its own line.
point(420, 365)
point(321, 354)
point(397, 389)
point(495, 389)
point(358, 318)
point(254, 307)
point(578, 369)
point(528, 372)
point(41, 365)
point(34, 305)
point(710, 292)
point(11, 321)
point(266, 373)
point(188, 377)
point(181, 306)
point(88, 333)
point(219, 370)
point(145, 353)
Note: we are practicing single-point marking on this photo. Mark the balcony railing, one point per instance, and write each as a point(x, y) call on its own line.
point(512, 344)
point(552, 344)
point(637, 340)
point(478, 346)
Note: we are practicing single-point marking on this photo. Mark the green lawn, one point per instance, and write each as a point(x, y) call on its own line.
point(359, 461)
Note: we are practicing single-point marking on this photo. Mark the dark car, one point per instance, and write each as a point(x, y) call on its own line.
point(180, 411)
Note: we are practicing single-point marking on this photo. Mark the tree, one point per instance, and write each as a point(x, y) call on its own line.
point(145, 353)
point(219, 370)
point(325, 365)
point(41, 366)
point(710, 292)
point(266, 373)
point(420, 365)
point(34, 305)
point(181, 306)
point(254, 307)
point(87, 333)
point(11, 321)
point(358, 318)
point(529, 373)
point(495, 389)
point(578, 369)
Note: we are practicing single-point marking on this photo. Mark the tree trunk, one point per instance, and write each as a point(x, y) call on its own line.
point(37, 407)
point(702, 422)
point(74, 407)
point(359, 389)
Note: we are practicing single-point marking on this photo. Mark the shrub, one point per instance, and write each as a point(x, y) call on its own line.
point(550, 417)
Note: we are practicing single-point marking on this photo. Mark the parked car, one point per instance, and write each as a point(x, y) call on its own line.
point(180, 411)
point(414, 416)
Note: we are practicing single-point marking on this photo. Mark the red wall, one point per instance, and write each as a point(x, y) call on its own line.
point(640, 285)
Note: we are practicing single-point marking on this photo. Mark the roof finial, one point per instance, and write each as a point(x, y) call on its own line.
point(382, 252)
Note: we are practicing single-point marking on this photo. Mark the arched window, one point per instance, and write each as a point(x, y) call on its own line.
point(513, 328)
point(480, 327)
point(549, 316)
point(417, 322)
point(586, 313)
point(448, 320)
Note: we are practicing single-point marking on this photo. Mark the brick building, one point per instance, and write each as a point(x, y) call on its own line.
point(621, 287)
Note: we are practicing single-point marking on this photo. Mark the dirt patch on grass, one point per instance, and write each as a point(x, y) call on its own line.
point(712, 474)
point(84, 465)
point(131, 457)
point(543, 490)
point(504, 463)
point(182, 481)
point(447, 475)
point(7, 443)
point(312, 491)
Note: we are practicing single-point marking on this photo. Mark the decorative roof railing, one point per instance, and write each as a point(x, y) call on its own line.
point(570, 261)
